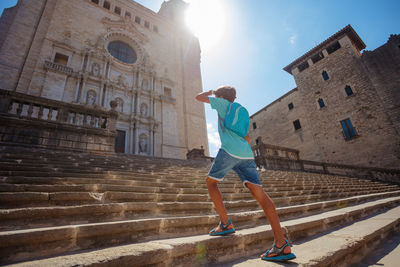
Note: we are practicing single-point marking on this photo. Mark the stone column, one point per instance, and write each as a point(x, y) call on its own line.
point(151, 145)
point(154, 143)
point(82, 90)
point(136, 137)
point(77, 90)
point(138, 101)
point(101, 93)
point(89, 60)
point(151, 105)
point(131, 136)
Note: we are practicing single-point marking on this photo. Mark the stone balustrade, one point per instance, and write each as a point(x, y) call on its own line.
point(39, 121)
point(280, 158)
point(48, 65)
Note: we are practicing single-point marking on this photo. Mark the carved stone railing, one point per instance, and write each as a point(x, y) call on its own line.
point(48, 65)
point(198, 154)
point(280, 158)
point(40, 121)
point(269, 156)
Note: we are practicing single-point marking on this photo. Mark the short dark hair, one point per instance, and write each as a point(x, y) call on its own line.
point(226, 92)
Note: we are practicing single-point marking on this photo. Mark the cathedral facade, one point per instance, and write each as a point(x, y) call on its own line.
point(345, 108)
point(92, 52)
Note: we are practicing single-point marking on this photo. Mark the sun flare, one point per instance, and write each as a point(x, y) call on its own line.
point(206, 19)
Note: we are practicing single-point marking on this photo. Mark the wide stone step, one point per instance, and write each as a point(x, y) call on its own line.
point(235, 201)
point(80, 166)
point(38, 216)
point(190, 250)
point(195, 174)
point(45, 195)
point(234, 193)
point(342, 247)
point(180, 176)
point(144, 163)
point(232, 186)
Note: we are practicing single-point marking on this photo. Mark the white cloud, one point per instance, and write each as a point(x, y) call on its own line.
point(292, 39)
point(213, 139)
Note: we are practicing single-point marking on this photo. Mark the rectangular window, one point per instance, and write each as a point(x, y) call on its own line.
point(303, 66)
point(317, 57)
point(349, 131)
point(325, 75)
point(155, 29)
point(290, 106)
point(254, 125)
point(137, 20)
point(127, 15)
point(348, 90)
point(107, 5)
point(168, 91)
point(296, 125)
point(147, 24)
point(61, 59)
point(321, 103)
point(95, 1)
point(333, 47)
point(117, 10)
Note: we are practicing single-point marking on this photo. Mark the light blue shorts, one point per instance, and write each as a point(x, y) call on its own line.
point(246, 169)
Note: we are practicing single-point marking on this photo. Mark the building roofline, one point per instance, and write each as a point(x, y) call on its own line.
point(348, 30)
point(277, 100)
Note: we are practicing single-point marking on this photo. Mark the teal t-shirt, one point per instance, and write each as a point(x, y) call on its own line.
point(232, 143)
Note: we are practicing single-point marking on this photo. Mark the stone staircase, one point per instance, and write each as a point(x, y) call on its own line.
point(61, 208)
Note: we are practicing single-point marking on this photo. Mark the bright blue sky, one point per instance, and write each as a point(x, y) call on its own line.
point(263, 36)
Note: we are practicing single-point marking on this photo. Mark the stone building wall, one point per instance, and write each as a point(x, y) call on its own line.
point(274, 125)
point(383, 67)
point(377, 141)
point(59, 50)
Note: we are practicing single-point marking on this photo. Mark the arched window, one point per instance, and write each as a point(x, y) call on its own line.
point(122, 52)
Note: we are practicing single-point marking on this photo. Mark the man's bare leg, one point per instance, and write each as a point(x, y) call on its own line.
point(216, 196)
point(270, 212)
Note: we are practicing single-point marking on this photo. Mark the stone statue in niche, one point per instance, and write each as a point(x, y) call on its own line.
point(120, 106)
point(143, 110)
point(121, 81)
point(95, 69)
point(91, 98)
point(143, 144)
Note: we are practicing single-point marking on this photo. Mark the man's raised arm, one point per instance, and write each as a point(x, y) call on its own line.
point(203, 97)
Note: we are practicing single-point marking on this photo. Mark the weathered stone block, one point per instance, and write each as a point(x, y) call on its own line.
point(65, 143)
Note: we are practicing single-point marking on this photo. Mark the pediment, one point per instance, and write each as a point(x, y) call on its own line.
point(125, 25)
